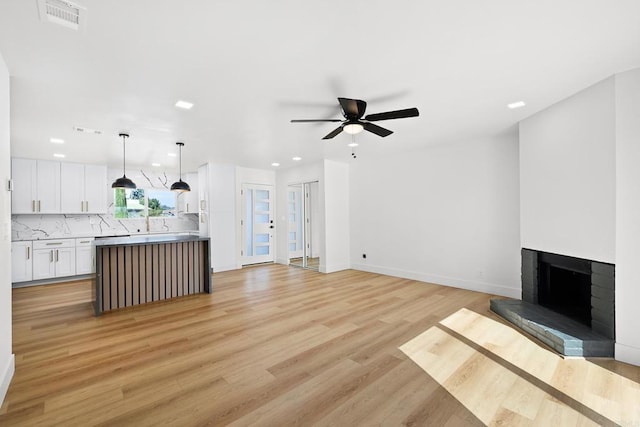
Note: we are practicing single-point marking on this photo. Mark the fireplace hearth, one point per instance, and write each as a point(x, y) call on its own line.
point(567, 302)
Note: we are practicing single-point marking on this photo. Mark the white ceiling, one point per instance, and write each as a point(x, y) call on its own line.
point(250, 66)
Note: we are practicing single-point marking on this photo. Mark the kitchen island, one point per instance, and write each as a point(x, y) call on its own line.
point(138, 270)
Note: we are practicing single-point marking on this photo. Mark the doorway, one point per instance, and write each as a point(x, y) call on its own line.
point(257, 224)
point(304, 232)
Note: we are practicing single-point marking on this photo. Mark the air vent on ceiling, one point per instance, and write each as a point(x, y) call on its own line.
point(62, 12)
point(87, 130)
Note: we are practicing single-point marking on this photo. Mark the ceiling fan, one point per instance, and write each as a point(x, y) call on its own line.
point(353, 110)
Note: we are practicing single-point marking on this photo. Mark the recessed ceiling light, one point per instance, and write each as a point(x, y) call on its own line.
point(296, 159)
point(275, 164)
point(353, 144)
point(171, 154)
point(61, 156)
point(518, 104)
point(155, 164)
point(184, 104)
point(56, 140)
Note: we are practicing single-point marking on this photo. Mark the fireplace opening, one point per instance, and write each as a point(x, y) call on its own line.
point(565, 291)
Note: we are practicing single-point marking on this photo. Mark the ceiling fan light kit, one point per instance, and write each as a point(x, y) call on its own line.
point(124, 182)
point(354, 122)
point(180, 186)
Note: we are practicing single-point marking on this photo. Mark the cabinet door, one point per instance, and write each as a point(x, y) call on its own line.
point(85, 260)
point(21, 262)
point(65, 259)
point(48, 186)
point(23, 196)
point(190, 198)
point(95, 188)
point(72, 199)
point(43, 264)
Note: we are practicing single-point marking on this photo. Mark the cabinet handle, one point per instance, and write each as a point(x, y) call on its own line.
point(81, 206)
point(33, 206)
point(57, 255)
point(51, 256)
point(187, 207)
point(28, 252)
point(39, 205)
point(54, 243)
point(87, 206)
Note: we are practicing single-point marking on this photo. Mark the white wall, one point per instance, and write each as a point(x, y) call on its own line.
point(284, 178)
point(252, 176)
point(627, 216)
point(7, 364)
point(222, 217)
point(567, 176)
point(335, 256)
point(446, 215)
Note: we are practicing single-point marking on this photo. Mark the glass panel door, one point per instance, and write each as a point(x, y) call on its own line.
point(257, 224)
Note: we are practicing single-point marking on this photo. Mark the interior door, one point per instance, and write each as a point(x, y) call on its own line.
point(296, 220)
point(257, 224)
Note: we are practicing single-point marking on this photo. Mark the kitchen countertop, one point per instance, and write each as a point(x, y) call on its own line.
point(145, 240)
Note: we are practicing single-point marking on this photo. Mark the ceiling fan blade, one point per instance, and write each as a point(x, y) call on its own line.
point(333, 133)
point(380, 131)
point(353, 108)
point(314, 120)
point(398, 114)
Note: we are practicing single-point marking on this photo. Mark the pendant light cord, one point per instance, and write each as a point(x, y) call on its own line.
point(124, 156)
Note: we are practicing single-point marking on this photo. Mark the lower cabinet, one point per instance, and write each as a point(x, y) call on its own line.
point(21, 261)
point(85, 258)
point(54, 258)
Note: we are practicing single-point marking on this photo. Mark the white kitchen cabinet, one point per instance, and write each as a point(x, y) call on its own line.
point(190, 199)
point(83, 188)
point(36, 186)
point(21, 262)
point(54, 258)
point(85, 256)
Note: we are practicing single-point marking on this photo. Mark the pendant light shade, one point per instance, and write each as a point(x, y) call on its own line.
point(123, 182)
point(180, 185)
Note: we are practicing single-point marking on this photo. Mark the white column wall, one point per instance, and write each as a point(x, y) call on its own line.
point(222, 217)
point(336, 217)
point(7, 360)
point(567, 176)
point(446, 214)
point(627, 216)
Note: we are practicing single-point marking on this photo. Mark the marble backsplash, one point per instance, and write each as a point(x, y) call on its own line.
point(37, 227)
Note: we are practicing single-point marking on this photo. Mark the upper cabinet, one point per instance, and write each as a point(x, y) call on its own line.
point(83, 188)
point(36, 186)
point(41, 186)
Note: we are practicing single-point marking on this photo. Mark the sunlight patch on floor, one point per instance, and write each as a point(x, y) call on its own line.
point(520, 382)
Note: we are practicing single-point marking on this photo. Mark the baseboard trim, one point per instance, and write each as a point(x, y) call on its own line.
point(333, 268)
point(6, 377)
point(488, 288)
point(221, 268)
point(627, 354)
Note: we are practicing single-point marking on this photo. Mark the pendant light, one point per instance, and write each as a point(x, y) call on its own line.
point(180, 185)
point(123, 182)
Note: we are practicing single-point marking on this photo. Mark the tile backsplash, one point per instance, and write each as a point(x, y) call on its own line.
point(36, 227)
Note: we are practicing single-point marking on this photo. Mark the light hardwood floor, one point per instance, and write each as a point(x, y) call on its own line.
point(278, 346)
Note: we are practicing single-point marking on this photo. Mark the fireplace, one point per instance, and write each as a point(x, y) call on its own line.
point(581, 289)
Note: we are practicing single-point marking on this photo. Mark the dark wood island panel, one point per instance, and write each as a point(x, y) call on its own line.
point(138, 270)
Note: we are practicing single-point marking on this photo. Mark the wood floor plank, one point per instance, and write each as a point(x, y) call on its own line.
point(275, 345)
